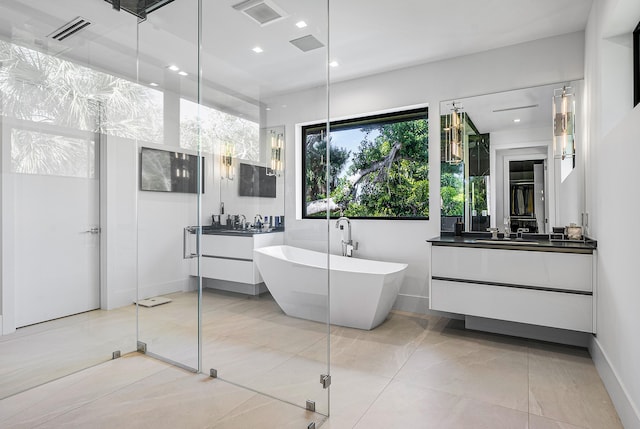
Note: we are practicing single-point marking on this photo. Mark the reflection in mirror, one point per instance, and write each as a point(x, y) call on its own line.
point(498, 165)
point(252, 166)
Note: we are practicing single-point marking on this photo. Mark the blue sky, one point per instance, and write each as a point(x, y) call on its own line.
point(350, 139)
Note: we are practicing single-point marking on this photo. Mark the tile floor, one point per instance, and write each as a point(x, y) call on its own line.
point(411, 372)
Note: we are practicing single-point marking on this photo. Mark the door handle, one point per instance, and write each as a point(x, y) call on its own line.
point(94, 230)
point(186, 249)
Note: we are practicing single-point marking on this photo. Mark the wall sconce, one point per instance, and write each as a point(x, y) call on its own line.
point(226, 162)
point(276, 141)
point(564, 104)
point(453, 135)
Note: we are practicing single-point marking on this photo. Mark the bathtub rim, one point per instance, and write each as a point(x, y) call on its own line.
point(397, 266)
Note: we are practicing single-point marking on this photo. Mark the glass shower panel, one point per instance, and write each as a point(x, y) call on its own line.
point(171, 179)
point(62, 308)
point(264, 317)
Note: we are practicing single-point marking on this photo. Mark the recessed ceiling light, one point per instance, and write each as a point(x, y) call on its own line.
point(301, 24)
point(516, 120)
point(153, 84)
point(267, 108)
point(173, 67)
point(334, 64)
point(183, 73)
point(257, 50)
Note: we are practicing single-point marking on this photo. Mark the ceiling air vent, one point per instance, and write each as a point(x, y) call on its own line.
point(69, 29)
point(307, 43)
point(261, 11)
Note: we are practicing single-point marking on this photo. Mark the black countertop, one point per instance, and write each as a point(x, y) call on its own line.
point(250, 232)
point(529, 242)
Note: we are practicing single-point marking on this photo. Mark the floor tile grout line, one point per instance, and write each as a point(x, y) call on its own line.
point(61, 377)
point(364, 413)
point(257, 393)
point(392, 379)
point(61, 324)
point(462, 396)
point(111, 392)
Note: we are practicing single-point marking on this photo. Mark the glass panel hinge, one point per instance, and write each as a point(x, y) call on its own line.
point(311, 405)
point(325, 380)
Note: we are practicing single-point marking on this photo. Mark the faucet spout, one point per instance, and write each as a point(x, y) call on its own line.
point(346, 220)
point(347, 245)
point(257, 222)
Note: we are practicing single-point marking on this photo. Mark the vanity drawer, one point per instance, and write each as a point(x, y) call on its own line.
point(228, 269)
point(227, 246)
point(568, 271)
point(537, 307)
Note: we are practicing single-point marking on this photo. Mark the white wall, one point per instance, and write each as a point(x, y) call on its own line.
point(535, 63)
point(142, 230)
point(119, 222)
point(614, 133)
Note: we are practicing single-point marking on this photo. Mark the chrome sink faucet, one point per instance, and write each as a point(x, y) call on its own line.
point(257, 222)
point(347, 245)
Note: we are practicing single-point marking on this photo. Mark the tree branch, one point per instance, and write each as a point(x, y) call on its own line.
point(383, 165)
point(319, 206)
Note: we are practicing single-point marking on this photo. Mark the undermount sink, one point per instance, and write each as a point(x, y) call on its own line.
point(507, 242)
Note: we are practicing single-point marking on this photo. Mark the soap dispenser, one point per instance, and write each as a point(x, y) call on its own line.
point(459, 227)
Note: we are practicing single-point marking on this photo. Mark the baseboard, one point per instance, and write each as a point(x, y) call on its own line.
point(524, 330)
point(627, 410)
point(229, 286)
point(120, 298)
point(412, 304)
point(157, 289)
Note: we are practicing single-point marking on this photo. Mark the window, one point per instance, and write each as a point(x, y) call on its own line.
point(378, 167)
point(218, 129)
point(34, 152)
point(45, 89)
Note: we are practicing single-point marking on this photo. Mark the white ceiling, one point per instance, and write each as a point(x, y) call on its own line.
point(367, 37)
point(497, 112)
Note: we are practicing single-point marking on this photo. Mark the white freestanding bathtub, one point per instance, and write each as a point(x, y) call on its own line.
point(362, 291)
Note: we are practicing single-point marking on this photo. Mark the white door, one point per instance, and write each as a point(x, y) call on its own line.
point(56, 230)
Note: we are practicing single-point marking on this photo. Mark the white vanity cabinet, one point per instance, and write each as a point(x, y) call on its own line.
point(227, 261)
point(545, 288)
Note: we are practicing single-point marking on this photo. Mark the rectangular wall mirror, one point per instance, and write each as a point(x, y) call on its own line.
point(498, 166)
